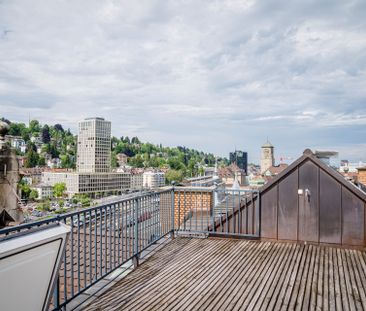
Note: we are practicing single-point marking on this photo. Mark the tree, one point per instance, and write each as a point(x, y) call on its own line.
point(59, 189)
point(33, 194)
point(18, 129)
point(66, 161)
point(176, 164)
point(44, 207)
point(41, 161)
point(114, 162)
point(34, 126)
point(5, 120)
point(173, 175)
point(58, 128)
point(46, 137)
point(25, 190)
point(135, 140)
point(32, 158)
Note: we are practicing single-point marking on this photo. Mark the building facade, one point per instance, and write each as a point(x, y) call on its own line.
point(240, 158)
point(89, 182)
point(44, 191)
point(267, 156)
point(93, 173)
point(153, 179)
point(94, 146)
point(137, 181)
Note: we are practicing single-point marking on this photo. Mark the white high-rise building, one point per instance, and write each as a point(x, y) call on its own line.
point(94, 146)
point(93, 162)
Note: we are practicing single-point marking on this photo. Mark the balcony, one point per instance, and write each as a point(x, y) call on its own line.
point(218, 249)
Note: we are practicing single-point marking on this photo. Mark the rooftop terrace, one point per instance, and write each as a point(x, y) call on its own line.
point(227, 274)
point(309, 230)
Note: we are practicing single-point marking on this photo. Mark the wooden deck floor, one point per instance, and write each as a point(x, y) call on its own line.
point(224, 274)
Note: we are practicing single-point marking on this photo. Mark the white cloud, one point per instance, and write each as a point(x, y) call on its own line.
point(183, 72)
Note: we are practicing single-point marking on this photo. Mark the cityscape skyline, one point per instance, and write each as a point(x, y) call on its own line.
point(209, 76)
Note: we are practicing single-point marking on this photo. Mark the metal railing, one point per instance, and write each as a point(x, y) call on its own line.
point(105, 237)
point(218, 212)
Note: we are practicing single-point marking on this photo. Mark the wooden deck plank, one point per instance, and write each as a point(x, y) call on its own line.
point(207, 285)
point(353, 283)
point(224, 274)
point(278, 299)
point(316, 299)
point(322, 288)
point(229, 287)
point(192, 282)
point(153, 266)
point(165, 281)
point(267, 282)
point(304, 279)
point(309, 288)
point(275, 283)
point(214, 285)
point(360, 279)
point(342, 283)
point(198, 250)
point(246, 282)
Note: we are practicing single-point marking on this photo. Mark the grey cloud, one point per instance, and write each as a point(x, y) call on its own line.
point(186, 72)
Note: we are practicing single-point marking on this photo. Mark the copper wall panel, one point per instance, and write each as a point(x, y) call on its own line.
point(330, 200)
point(269, 213)
point(288, 207)
point(308, 205)
point(352, 219)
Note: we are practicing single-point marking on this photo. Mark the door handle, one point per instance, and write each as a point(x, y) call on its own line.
point(307, 194)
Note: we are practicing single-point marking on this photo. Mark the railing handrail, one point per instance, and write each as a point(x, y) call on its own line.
point(75, 213)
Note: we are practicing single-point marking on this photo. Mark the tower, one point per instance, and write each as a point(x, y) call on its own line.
point(267, 156)
point(94, 146)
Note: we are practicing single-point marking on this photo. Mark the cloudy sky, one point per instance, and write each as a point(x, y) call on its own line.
point(212, 75)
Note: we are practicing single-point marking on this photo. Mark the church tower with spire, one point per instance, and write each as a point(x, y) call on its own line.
point(267, 156)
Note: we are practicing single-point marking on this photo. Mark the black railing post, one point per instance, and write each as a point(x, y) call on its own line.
point(172, 209)
point(56, 296)
point(259, 213)
point(136, 233)
point(215, 197)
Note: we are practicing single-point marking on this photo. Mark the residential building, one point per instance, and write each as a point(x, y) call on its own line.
point(361, 177)
point(153, 179)
point(32, 176)
point(17, 142)
point(350, 167)
point(240, 158)
point(267, 156)
point(228, 174)
point(325, 156)
point(137, 181)
point(274, 170)
point(44, 191)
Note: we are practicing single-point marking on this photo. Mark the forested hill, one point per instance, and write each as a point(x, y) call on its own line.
point(56, 142)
